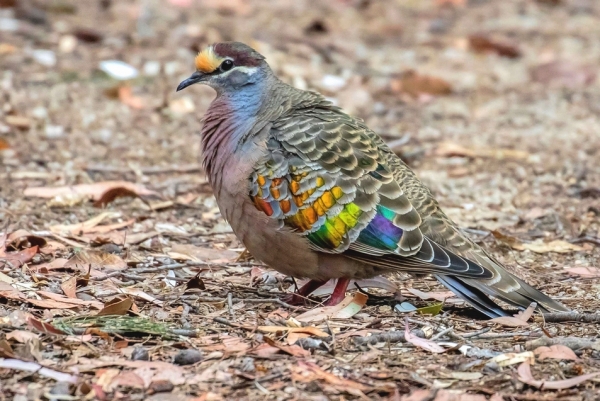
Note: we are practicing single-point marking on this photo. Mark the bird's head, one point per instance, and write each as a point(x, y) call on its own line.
point(227, 67)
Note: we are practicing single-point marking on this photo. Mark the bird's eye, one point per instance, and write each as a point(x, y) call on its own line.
point(226, 65)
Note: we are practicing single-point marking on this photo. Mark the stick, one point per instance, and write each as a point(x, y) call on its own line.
point(559, 317)
point(575, 343)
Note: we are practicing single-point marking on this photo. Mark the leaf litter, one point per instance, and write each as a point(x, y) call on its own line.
point(492, 120)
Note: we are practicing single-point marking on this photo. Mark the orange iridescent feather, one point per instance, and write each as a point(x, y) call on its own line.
point(207, 61)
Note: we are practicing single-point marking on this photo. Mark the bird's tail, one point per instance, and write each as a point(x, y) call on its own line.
point(505, 287)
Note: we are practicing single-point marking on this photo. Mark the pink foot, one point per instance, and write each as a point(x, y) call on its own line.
point(299, 297)
point(339, 293)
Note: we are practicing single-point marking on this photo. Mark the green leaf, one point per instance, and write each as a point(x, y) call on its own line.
point(433, 309)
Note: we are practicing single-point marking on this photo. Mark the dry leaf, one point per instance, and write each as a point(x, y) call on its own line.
point(69, 287)
point(563, 73)
point(525, 376)
point(128, 98)
point(118, 306)
point(513, 358)
point(349, 307)
point(293, 350)
point(20, 122)
point(100, 192)
point(22, 336)
point(539, 246)
point(58, 263)
point(421, 342)
point(84, 227)
point(136, 292)
point(416, 84)
point(64, 300)
point(520, 319)
point(310, 330)
point(97, 259)
point(450, 149)
point(200, 254)
point(482, 43)
point(556, 351)
point(22, 239)
point(44, 327)
point(588, 272)
point(17, 259)
point(306, 372)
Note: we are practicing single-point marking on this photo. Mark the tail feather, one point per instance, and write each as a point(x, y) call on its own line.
point(472, 296)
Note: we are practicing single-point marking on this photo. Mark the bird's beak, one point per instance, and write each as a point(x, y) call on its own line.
point(193, 79)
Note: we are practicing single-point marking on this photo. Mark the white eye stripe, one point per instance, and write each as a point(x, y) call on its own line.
point(245, 70)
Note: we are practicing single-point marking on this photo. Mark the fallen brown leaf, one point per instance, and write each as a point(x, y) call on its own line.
point(525, 376)
point(21, 336)
point(556, 351)
point(44, 327)
point(120, 305)
point(563, 73)
point(100, 192)
point(200, 254)
point(97, 259)
point(349, 307)
point(310, 330)
point(539, 246)
point(22, 239)
point(17, 259)
point(421, 342)
point(583, 271)
point(450, 149)
point(293, 350)
point(69, 287)
point(416, 84)
point(128, 98)
point(20, 122)
point(520, 319)
point(305, 372)
point(87, 226)
point(482, 43)
point(64, 300)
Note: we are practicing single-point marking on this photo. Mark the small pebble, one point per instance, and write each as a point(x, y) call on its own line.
point(61, 388)
point(44, 57)
point(54, 131)
point(140, 354)
point(161, 386)
point(187, 357)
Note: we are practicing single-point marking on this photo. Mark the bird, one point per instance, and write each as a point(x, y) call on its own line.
point(314, 193)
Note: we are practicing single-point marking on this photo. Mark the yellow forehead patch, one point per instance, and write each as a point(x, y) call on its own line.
point(207, 61)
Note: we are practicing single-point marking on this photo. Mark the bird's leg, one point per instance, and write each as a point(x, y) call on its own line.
point(303, 292)
point(339, 292)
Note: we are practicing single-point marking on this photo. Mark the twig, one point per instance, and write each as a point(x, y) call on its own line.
point(442, 333)
point(476, 333)
point(228, 323)
point(559, 317)
point(391, 337)
point(575, 343)
point(230, 304)
point(493, 336)
point(260, 380)
point(587, 238)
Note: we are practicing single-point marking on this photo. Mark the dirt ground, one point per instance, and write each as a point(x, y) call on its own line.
point(135, 288)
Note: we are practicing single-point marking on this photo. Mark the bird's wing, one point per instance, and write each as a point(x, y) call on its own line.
point(326, 178)
point(330, 178)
